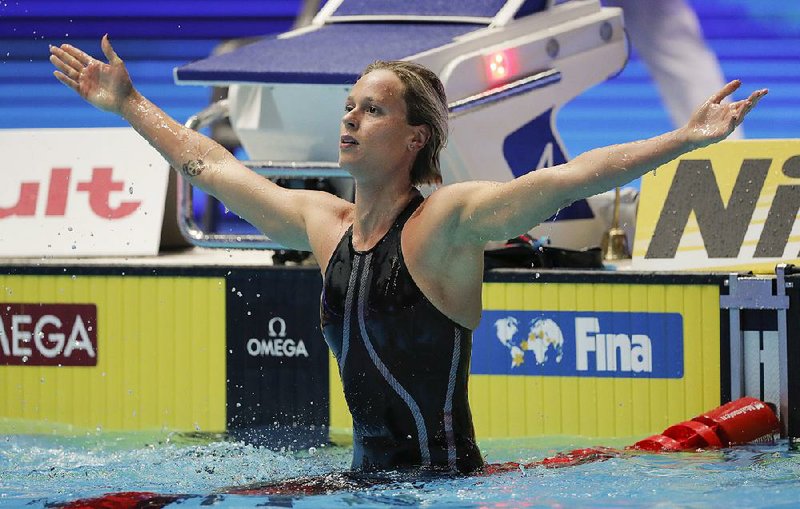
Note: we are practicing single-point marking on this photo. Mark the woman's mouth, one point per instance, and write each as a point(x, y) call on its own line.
point(347, 141)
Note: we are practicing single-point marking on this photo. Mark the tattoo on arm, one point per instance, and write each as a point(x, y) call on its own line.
point(194, 168)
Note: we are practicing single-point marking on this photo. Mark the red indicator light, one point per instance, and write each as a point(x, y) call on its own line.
point(498, 66)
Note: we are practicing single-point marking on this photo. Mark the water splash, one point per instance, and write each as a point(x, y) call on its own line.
point(35, 471)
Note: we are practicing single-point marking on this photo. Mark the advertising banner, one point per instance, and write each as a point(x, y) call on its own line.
point(48, 334)
point(277, 360)
point(731, 206)
point(589, 343)
point(104, 350)
point(80, 192)
point(594, 353)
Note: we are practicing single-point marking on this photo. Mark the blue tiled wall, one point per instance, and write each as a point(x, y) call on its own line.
point(152, 36)
point(758, 42)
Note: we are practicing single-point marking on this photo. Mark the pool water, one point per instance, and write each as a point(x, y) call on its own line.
point(38, 471)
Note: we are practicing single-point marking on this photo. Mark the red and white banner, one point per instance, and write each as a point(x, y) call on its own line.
point(80, 192)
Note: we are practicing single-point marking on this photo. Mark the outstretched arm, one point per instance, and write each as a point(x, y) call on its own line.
point(281, 213)
point(498, 211)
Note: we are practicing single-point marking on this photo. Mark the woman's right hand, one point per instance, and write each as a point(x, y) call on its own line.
point(106, 86)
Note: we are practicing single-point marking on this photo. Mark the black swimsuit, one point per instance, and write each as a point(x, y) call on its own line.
point(404, 365)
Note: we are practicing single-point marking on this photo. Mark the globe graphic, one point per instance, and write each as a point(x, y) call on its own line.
point(545, 336)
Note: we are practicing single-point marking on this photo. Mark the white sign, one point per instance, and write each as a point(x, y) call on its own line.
point(80, 192)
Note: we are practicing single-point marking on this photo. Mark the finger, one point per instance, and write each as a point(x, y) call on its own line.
point(750, 103)
point(64, 68)
point(108, 51)
point(66, 80)
point(738, 115)
point(79, 55)
point(725, 91)
point(66, 58)
point(757, 95)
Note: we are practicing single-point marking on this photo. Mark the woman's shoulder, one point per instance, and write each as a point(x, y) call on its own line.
point(459, 190)
point(451, 198)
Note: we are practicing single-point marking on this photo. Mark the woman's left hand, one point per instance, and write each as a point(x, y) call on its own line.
point(714, 121)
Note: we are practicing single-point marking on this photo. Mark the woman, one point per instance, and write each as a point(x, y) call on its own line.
point(402, 274)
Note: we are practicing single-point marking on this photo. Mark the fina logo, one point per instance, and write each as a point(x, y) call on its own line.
point(546, 341)
point(635, 351)
point(278, 345)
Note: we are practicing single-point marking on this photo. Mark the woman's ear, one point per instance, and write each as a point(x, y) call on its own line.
point(422, 134)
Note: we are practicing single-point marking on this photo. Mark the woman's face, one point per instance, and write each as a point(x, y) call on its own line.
point(375, 134)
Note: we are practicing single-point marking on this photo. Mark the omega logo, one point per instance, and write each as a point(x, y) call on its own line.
point(278, 345)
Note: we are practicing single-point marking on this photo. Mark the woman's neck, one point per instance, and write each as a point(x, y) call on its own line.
point(376, 208)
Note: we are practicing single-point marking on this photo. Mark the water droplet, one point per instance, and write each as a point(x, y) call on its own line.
point(312, 451)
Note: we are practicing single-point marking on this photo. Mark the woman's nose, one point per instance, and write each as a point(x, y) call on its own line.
point(348, 119)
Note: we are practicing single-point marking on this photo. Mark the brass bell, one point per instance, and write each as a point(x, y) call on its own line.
point(614, 245)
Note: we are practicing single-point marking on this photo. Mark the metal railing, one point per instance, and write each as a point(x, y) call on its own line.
point(268, 169)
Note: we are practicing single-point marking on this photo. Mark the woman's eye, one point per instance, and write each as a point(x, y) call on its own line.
point(372, 109)
point(348, 107)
